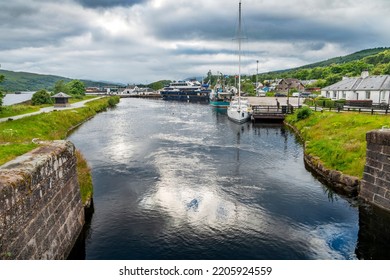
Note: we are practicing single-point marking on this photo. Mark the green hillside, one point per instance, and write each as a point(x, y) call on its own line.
point(23, 81)
point(344, 59)
point(376, 61)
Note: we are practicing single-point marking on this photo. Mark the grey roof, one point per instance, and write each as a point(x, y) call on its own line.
point(61, 94)
point(368, 83)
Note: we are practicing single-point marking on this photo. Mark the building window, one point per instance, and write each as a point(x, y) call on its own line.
point(344, 95)
point(383, 95)
point(327, 94)
point(334, 94)
point(368, 94)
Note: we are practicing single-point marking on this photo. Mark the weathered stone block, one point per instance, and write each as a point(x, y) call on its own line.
point(375, 148)
point(381, 137)
point(376, 178)
point(40, 216)
point(381, 202)
point(373, 163)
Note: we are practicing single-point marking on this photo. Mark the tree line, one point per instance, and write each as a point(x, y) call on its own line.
point(74, 88)
point(376, 64)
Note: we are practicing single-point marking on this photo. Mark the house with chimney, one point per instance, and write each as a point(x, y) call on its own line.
point(365, 87)
point(284, 85)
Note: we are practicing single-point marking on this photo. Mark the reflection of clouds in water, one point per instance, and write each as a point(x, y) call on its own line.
point(327, 242)
point(120, 150)
point(187, 196)
point(192, 193)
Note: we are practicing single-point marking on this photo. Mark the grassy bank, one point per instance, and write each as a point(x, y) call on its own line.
point(338, 139)
point(16, 136)
point(14, 110)
point(26, 107)
point(85, 178)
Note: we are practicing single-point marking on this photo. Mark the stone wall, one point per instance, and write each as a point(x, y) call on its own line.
point(375, 186)
point(41, 213)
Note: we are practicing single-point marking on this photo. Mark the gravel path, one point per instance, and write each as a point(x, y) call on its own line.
point(50, 109)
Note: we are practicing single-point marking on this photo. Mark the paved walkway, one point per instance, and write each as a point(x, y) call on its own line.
point(50, 109)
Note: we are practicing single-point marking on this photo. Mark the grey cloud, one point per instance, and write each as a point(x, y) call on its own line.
point(29, 25)
point(109, 3)
point(159, 39)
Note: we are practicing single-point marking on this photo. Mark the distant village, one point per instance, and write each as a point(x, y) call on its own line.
point(373, 89)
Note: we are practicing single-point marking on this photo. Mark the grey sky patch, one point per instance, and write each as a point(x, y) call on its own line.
point(109, 3)
point(151, 40)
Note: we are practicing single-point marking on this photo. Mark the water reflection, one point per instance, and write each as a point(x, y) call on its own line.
point(187, 183)
point(374, 232)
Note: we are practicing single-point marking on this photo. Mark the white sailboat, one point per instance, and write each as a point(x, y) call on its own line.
point(239, 109)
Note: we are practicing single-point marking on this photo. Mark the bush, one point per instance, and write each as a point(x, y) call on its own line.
point(303, 113)
point(41, 97)
point(113, 101)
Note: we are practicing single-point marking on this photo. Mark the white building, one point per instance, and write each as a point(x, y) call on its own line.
point(365, 87)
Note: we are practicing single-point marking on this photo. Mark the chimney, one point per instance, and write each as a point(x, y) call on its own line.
point(365, 74)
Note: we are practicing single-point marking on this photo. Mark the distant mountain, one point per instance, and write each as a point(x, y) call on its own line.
point(24, 81)
point(324, 73)
point(344, 59)
point(336, 60)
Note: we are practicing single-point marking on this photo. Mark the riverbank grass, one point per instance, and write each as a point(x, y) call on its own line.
point(85, 178)
point(16, 137)
point(26, 107)
point(15, 110)
point(338, 139)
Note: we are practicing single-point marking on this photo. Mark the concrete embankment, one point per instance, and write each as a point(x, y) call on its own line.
point(41, 213)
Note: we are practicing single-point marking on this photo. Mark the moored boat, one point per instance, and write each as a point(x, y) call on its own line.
point(190, 91)
point(239, 109)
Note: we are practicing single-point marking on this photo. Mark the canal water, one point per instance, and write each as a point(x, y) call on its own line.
point(180, 181)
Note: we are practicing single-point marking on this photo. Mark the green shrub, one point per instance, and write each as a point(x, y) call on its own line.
point(113, 100)
point(41, 97)
point(303, 113)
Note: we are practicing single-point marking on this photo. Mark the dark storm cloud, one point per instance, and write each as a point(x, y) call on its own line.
point(108, 3)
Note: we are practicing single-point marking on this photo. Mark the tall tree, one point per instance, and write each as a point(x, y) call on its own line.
point(76, 87)
point(60, 86)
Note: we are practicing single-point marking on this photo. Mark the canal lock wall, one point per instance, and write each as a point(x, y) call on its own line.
point(375, 186)
point(41, 213)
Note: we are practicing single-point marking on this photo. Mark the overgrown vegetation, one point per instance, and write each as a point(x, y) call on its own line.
point(338, 139)
point(85, 178)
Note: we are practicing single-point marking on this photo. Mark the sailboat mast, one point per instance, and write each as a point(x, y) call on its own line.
point(239, 49)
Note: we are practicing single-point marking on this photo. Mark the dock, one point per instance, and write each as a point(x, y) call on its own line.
point(149, 95)
point(268, 113)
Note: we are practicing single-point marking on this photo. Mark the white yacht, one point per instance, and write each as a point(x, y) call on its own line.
point(239, 109)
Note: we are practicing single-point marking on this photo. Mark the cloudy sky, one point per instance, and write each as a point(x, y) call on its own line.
point(142, 41)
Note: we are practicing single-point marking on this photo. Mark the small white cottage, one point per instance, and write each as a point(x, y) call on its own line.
point(365, 87)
